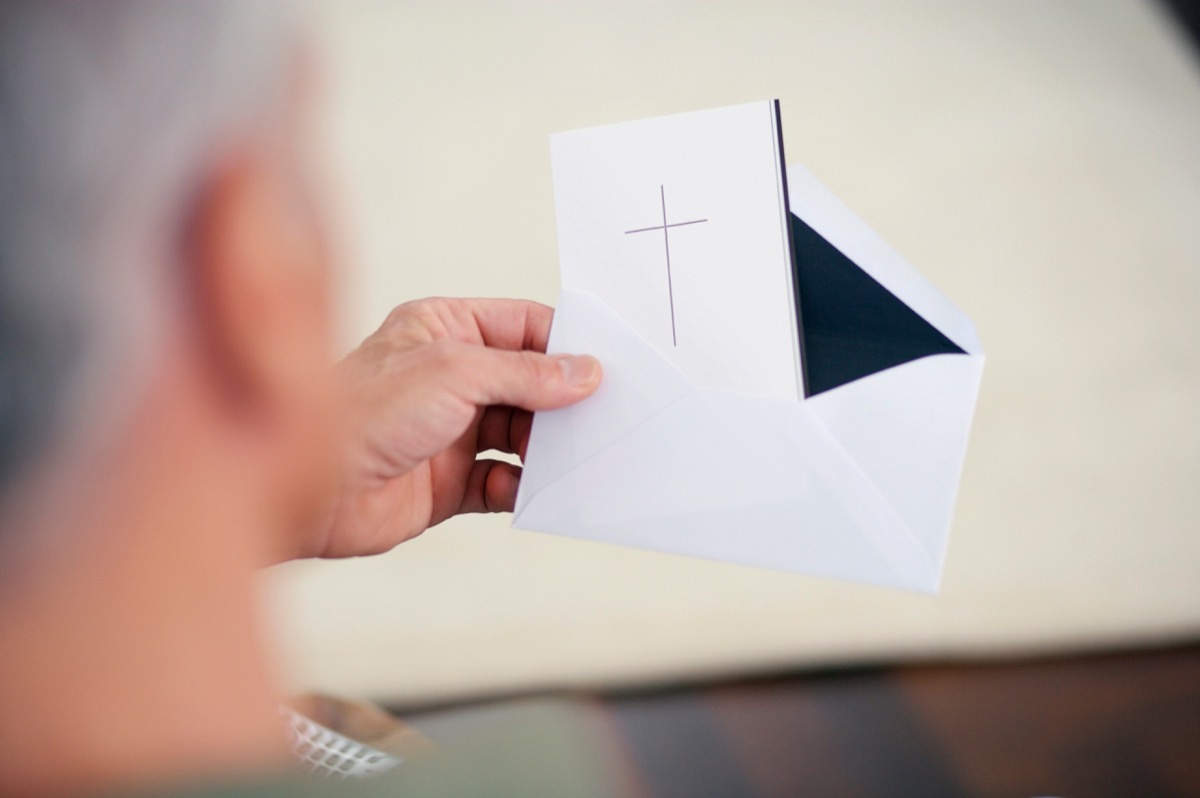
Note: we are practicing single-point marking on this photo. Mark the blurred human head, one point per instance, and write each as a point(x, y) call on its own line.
point(152, 210)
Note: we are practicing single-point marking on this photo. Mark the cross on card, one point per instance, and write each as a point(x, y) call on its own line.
point(726, 314)
point(666, 231)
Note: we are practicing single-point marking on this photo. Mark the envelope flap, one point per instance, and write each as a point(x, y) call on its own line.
point(853, 326)
point(906, 428)
point(638, 383)
point(738, 478)
point(820, 210)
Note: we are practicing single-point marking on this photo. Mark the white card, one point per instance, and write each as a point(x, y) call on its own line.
point(681, 224)
point(857, 481)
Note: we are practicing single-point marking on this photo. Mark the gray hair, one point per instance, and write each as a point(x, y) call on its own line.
point(109, 113)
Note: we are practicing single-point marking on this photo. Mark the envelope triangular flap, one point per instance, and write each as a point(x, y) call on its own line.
point(906, 429)
point(737, 478)
point(638, 383)
point(831, 220)
point(852, 325)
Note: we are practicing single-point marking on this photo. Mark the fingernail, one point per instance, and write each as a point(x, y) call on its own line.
point(578, 370)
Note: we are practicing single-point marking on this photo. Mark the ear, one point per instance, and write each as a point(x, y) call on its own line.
point(260, 280)
point(261, 305)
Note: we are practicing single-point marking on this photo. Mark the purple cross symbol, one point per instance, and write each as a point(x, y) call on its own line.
point(666, 227)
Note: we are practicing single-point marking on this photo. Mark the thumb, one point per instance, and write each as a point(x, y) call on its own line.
point(525, 379)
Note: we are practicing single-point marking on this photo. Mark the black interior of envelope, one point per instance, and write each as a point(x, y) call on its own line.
point(853, 326)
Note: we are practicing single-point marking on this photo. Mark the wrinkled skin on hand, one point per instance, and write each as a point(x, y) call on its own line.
point(440, 382)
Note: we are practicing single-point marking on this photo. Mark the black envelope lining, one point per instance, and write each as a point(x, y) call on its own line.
point(852, 325)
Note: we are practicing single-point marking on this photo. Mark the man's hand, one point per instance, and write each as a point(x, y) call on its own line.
point(441, 381)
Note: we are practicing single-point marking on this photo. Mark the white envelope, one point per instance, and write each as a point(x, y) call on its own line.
point(857, 481)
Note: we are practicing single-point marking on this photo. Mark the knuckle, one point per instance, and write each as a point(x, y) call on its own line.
point(538, 368)
point(396, 315)
point(402, 313)
point(420, 318)
point(442, 355)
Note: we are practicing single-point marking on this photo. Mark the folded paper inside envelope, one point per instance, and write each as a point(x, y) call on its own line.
point(855, 481)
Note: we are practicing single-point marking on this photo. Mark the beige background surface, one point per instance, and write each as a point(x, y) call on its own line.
point(1039, 161)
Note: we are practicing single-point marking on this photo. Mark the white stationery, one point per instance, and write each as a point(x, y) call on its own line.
point(781, 388)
